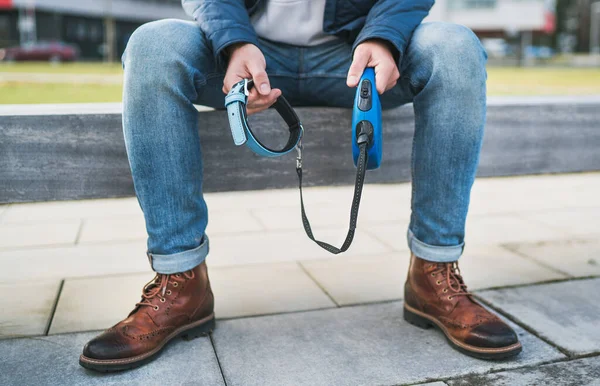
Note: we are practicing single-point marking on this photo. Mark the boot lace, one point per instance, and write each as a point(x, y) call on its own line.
point(157, 287)
point(453, 278)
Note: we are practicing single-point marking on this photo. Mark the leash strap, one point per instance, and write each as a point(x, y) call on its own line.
point(236, 101)
point(361, 167)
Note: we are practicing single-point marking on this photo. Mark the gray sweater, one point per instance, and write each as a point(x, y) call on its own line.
point(295, 22)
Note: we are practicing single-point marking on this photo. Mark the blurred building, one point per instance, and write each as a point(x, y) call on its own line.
point(578, 26)
point(507, 28)
point(100, 28)
point(498, 18)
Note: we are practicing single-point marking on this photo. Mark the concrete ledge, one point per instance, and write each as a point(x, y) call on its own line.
point(60, 152)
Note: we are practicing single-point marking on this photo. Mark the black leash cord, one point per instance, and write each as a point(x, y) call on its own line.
point(361, 167)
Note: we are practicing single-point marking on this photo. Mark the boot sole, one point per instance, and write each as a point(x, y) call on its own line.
point(422, 320)
point(191, 331)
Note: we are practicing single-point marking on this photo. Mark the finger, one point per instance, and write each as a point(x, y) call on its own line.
point(390, 86)
point(357, 68)
point(255, 99)
point(229, 81)
point(261, 80)
point(264, 102)
point(255, 110)
point(383, 77)
point(259, 101)
point(393, 80)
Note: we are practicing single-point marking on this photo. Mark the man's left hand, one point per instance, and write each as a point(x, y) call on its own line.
point(374, 53)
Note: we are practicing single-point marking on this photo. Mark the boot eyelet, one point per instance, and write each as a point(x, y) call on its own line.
point(156, 308)
point(169, 292)
point(175, 284)
point(162, 300)
point(445, 290)
point(432, 274)
point(449, 297)
point(438, 282)
point(177, 275)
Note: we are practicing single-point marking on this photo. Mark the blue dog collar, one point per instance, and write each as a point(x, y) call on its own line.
point(236, 101)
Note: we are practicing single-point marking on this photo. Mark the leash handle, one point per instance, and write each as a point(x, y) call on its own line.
point(367, 111)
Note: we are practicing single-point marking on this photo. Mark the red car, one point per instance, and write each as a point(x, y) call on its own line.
point(41, 51)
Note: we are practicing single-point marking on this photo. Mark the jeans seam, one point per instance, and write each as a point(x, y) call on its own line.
point(417, 85)
point(413, 182)
point(206, 78)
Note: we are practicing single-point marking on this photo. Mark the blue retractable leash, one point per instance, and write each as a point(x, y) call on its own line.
point(366, 140)
point(366, 119)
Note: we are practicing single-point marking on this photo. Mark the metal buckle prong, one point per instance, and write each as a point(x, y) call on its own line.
point(246, 93)
point(299, 156)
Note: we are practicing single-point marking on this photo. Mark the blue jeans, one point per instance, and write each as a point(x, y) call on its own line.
point(169, 67)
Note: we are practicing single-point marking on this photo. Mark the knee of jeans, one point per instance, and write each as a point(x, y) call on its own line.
point(157, 44)
point(451, 47)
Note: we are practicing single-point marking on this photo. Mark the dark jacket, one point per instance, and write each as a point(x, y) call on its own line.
point(226, 22)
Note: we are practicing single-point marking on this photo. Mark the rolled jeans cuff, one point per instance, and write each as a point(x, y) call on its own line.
point(437, 254)
point(179, 262)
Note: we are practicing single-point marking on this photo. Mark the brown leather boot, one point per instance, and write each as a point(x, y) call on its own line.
point(172, 305)
point(436, 295)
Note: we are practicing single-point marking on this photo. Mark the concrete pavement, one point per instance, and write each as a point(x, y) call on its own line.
point(293, 314)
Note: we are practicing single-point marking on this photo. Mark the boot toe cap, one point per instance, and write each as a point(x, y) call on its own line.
point(106, 346)
point(496, 334)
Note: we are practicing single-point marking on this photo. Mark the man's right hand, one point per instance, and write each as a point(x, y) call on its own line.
point(246, 61)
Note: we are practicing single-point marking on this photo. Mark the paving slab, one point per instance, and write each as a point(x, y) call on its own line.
point(313, 195)
point(96, 303)
point(96, 259)
point(361, 279)
point(270, 247)
point(61, 210)
point(377, 208)
point(581, 372)
point(273, 198)
point(358, 345)
point(392, 234)
point(133, 227)
point(26, 307)
point(506, 228)
point(521, 194)
point(38, 234)
point(53, 360)
point(574, 221)
point(73, 261)
point(494, 266)
point(565, 313)
point(576, 257)
point(111, 229)
point(481, 230)
point(232, 221)
point(264, 289)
